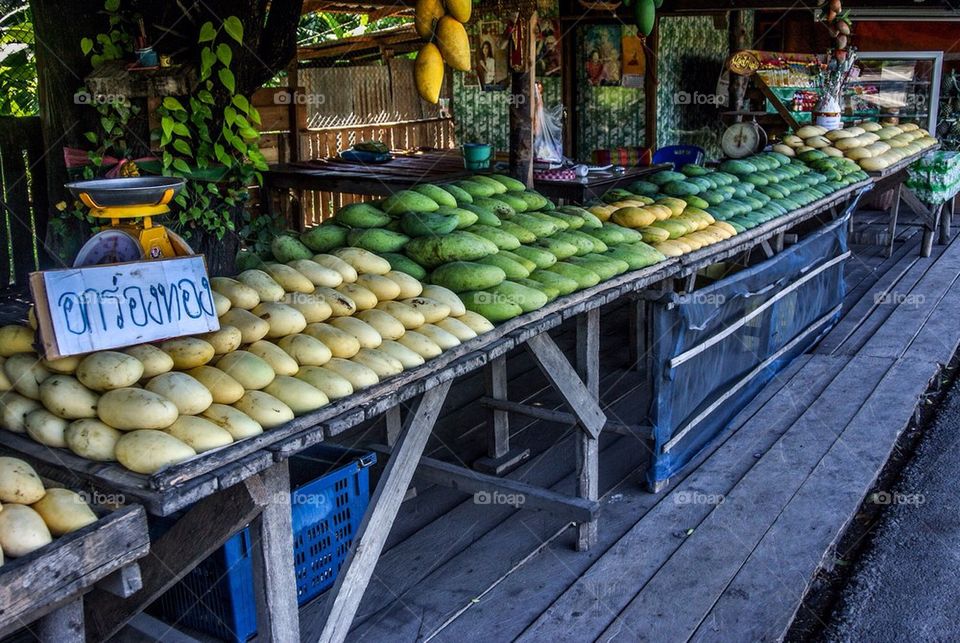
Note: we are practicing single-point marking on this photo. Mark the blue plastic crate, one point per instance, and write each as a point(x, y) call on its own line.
point(217, 597)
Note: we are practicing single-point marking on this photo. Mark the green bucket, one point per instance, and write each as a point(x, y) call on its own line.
point(476, 156)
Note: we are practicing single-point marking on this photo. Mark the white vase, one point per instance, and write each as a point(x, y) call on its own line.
point(827, 113)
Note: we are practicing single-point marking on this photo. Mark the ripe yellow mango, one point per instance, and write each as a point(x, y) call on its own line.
point(425, 14)
point(460, 9)
point(453, 42)
point(428, 72)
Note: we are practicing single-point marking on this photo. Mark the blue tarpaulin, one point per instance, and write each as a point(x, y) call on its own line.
point(715, 348)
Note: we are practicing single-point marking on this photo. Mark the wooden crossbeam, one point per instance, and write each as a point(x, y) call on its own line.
point(562, 417)
point(384, 504)
point(564, 379)
point(488, 489)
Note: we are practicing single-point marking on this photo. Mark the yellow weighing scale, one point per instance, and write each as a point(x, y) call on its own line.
point(129, 204)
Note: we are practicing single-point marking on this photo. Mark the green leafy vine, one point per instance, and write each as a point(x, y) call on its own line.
point(204, 133)
point(209, 137)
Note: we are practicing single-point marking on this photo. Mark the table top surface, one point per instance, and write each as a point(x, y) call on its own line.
point(601, 177)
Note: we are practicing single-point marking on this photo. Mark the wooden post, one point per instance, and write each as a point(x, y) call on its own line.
point(293, 109)
point(523, 91)
point(495, 384)
point(894, 213)
point(500, 458)
point(65, 625)
point(651, 85)
point(737, 41)
point(588, 447)
point(274, 577)
point(357, 569)
point(393, 418)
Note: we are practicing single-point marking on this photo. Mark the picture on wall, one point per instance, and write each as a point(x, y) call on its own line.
point(548, 48)
point(601, 47)
point(634, 61)
point(548, 9)
point(492, 69)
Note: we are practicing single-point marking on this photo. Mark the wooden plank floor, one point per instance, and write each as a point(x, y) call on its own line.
point(728, 549)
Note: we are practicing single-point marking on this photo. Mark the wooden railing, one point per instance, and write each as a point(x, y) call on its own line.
point(437, 133)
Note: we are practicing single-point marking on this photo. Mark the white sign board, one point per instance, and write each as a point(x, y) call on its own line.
point(80, 310)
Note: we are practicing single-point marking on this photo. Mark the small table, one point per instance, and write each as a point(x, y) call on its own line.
point(335, 175)
point(595, 184)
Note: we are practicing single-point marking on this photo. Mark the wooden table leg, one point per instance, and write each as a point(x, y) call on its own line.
point(357, 569)
point(274, 576)
point(64, 625)
point(394, 421)
point(894, 212)
point(582, 402)
point(588, 451)
point(946, 220)
point(500, 457)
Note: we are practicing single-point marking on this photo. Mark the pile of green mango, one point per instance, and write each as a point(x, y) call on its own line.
point(503, 248)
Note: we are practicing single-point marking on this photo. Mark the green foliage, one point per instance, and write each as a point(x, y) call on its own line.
point(209, 138)
point(205, 133)
point(18, 66)
point(321, 26)
point(115, 43)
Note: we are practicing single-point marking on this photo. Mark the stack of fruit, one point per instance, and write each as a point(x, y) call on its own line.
point(672, 225)
point(873, 146)
point(31, 515)
point(683, 211)
point(504, 249)
point(293, 337)
point(440, 23)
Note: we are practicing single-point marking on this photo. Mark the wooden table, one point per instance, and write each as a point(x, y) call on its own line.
point(336, 175)
point(595, 184)
point(893, 177)
point(248, 482)
point(47, 587)
point(404, 171)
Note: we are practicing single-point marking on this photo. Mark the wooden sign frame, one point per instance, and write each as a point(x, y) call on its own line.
point(116, 333)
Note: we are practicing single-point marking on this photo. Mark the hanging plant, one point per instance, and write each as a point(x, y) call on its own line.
point(211, 139)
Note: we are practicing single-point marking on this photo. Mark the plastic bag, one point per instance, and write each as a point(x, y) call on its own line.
point(547, 130)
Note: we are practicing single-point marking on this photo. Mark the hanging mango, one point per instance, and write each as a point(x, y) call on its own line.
point(645, 15)
point(440, 23)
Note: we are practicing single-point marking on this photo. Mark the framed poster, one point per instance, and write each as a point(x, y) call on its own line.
point(548, 47)
point(601, 48)
point(634, 60)
point(492, 69)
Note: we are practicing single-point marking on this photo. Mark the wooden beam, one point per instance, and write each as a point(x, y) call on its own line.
point(588, 448)
point(651, 85)
point(563, 417)
point(563, 377)
point(488, 489)
point(274, 578)
point(523, 89)
point(498, 421)
point(357, 569)
point(124, 582)
point(200, 532)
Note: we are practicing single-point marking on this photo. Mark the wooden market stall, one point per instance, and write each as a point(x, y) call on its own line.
point(469, 400)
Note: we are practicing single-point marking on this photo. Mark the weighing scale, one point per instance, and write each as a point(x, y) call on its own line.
point(743, 139)
point(130, 205)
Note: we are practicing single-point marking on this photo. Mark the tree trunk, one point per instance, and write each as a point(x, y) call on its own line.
point(269, 45)
point(61, 67)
